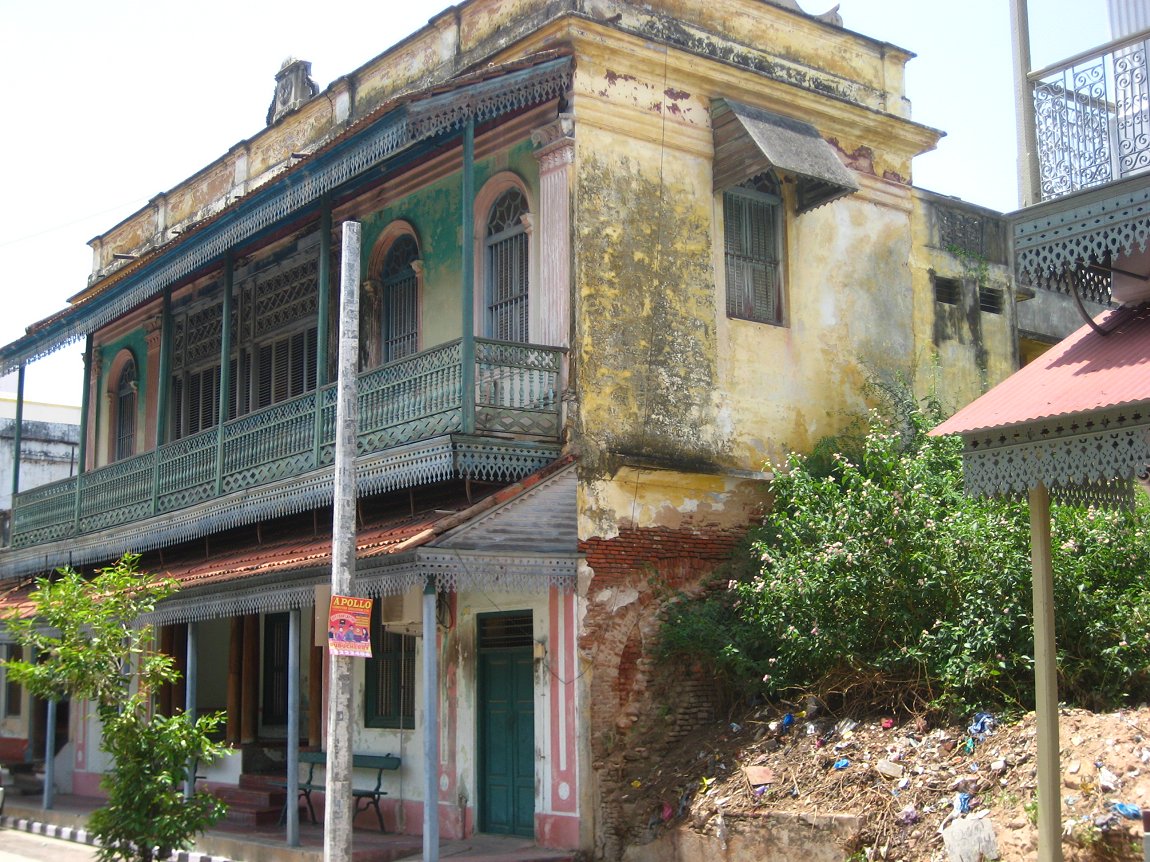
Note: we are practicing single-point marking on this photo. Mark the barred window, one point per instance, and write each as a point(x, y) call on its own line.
point(400, 299)
point(506, 268)
point(752, 219)
point(126, 385)
point(390, 675)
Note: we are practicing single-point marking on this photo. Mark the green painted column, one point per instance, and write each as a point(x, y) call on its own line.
point(467, 349)
point(85, 404)
point(163, 388)
point(225, 381)
point(17, 435)
point(323, 309)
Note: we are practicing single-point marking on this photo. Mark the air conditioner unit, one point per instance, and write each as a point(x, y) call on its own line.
point(403, 610)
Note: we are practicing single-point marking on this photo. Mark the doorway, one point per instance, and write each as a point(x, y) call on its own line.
point(506, 714)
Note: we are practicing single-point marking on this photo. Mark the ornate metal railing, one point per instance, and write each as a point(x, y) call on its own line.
point(1092, 117)
point(415, 398)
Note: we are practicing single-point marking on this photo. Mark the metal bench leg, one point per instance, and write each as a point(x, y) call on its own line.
point(306, 794)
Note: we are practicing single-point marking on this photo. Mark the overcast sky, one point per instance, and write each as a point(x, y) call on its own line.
point(109, 103)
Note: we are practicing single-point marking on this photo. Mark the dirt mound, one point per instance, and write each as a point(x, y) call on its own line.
point(907, 782)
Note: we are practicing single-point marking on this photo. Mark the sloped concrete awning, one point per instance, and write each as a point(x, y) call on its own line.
point(1076, 420)
point(750, 140)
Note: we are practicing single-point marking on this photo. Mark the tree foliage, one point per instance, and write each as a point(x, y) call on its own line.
point(875, 576)
point(88, 645)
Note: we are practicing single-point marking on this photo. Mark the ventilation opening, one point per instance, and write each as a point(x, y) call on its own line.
point(990, 299)
point(948, 290)
point(511, 630)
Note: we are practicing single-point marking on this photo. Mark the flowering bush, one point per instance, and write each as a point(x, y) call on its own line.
point(876, 572)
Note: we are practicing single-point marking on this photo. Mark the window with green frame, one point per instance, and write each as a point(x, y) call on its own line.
point(390, 694)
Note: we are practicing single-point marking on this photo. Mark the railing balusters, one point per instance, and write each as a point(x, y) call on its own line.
point(414, 398)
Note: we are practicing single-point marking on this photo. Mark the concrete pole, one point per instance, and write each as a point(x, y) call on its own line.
point(1045, 679)
point(467, 217)
point(191, 676)
point(430, 725)
point(293, 729)
point(338, 811)
point(50, 757)
point(1029, 179)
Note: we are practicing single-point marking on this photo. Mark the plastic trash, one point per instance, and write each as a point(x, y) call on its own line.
point(668, 812)
point(1130, 812)
point(887, 723)
point(788, 722)
point(842, 763)
point(983, 724)
point(908, 816)
point(962, 803)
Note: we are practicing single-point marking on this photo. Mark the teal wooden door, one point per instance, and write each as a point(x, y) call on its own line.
point(506, 735)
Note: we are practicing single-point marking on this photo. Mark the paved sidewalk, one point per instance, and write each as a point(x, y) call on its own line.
point(19, 846)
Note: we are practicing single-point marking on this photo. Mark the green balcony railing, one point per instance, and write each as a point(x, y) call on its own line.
point(415, 398)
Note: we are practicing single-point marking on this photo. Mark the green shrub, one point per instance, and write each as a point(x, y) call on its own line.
point(879, 574)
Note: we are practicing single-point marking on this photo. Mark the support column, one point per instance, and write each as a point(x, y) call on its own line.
point(293, 729)
point(249, 704)
point(1045, 679)
point(50, 757)
point(323, 315)
point(225, 377)
point(85, 407)
point(166, 690)
point(315, 698)
point(467, 347)
point(235, 680)
point(163, 384)
point(1029, 181)
point(191, 680)
point(551, 315)
point(17, 435)
point(430, 725)
point(180, 654)
point(338, 809)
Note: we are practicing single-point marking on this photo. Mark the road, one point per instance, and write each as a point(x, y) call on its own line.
point(17, 846)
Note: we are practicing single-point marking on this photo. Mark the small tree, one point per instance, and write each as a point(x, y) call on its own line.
point(89, 645)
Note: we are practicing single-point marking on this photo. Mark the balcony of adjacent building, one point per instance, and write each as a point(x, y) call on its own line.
point(1085, 158)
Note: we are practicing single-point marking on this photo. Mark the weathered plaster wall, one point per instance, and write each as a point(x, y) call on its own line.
point(960, 351)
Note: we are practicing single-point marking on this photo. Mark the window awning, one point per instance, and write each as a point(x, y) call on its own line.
point(750, 140)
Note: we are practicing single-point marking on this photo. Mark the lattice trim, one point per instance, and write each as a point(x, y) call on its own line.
point(1115, 226)
point(1094, 464)
point(367, 147)
point(430, 461)
point(453, 572)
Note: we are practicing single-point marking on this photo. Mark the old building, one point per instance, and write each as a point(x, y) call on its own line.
point(617, 259)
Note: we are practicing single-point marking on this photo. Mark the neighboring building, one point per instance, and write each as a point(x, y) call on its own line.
point(49, 437)
point(618, 260)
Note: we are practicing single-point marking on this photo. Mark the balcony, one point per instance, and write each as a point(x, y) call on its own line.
point(1092, 117)
point(415, 426)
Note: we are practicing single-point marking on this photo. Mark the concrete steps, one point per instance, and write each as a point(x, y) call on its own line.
point(255, 802)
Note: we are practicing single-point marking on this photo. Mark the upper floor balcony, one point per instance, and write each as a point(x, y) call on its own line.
point(417, 424)
point(1092, 117)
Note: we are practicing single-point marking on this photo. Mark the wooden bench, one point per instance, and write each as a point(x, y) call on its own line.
point(364, 797)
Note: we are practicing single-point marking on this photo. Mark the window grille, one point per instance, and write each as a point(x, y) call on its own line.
point(506, 630)
point(400, 300)
point(990, 299)
point(507, 278)
point(947, 290)
point(752, 250)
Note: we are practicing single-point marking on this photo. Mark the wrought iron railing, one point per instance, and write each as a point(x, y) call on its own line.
point(415, 398)
point(1092, 117)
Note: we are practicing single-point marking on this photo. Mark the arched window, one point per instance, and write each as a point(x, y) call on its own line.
point(400, 299)
point(125, 413)
point(506, 268)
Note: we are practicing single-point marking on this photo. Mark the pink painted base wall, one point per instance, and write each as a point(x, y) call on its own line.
point(557, 831)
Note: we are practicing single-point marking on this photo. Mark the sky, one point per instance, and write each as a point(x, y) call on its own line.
point(110, 103)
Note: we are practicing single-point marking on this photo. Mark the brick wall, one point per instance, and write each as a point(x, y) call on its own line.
point(634, 575)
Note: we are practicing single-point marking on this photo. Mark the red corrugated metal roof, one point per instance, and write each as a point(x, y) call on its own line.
point(1083, 373)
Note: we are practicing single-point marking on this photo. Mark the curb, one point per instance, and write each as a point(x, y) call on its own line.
point(83, 836)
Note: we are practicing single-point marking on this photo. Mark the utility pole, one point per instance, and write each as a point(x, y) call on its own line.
point(338, 812)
